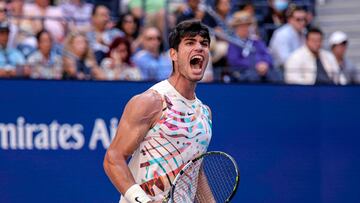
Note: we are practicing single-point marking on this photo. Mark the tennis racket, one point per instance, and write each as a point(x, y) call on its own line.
point(211, 177)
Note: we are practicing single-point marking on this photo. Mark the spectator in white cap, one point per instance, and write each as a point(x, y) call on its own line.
point(348, 73)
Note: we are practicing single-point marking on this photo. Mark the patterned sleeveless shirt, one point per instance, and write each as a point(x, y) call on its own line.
point(182, 133)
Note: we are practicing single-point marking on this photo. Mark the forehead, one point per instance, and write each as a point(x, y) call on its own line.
point(222, 2)
point(128, 17)
point(102, 10)
point(315, 35)
point(300, 13)
point(196, 37)
point(79, 38)
point(44, 35)
point(151, 32)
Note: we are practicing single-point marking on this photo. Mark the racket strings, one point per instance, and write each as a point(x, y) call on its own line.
point(186, 186)
point(207, 180)
point(221, 175)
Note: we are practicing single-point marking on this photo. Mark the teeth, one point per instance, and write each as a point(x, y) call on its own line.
point(197, 57)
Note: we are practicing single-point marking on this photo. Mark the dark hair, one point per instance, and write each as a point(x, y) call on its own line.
point(115, 43)
point(41, 32)
point(244, 4)
point(314, 30)
point(95, 8)
point(216, 3)
point(119, 23)
point(187, 28)
point(292, 9)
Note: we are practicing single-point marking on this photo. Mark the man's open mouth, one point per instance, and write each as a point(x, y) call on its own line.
point(196, 61)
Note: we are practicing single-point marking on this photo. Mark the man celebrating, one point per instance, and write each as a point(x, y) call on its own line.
point(164, 127)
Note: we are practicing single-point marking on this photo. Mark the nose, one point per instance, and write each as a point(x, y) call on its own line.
point(199, 47)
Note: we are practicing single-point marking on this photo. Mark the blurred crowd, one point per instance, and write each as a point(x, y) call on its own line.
point(263, 41)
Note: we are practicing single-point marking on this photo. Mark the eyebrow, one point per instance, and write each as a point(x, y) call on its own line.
point(189, 39)
point(205, 40)
point(193, 39)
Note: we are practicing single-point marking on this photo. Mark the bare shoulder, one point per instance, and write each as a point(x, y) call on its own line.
point(145, 106)
point(148, 100)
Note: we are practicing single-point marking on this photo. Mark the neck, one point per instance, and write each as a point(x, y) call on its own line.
point(17, 12)
point(42, 6)
point(3, 46)
point(185, 87)
point(78, 3)
point(194, 7)
point(45, 54)
point(293, 26)
point(77, 55)
point(315, 53)
point(154, 52)
point(222, 15)
point(99, 28)
point(339, 58)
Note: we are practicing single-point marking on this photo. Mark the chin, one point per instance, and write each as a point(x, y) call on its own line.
point(196, 78)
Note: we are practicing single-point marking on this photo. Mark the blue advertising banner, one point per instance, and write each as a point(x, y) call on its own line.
point(292, 143)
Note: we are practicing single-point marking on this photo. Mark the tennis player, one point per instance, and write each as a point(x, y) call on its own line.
point(164, 127)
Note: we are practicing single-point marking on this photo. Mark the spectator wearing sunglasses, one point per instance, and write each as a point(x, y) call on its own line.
point(290, 36)
point(154, 65)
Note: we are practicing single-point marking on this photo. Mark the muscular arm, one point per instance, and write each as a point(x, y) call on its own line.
point(141, 112)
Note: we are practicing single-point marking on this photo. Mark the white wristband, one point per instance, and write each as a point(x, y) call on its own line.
point(136, 194)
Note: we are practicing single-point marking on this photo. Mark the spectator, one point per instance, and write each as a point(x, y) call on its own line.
point(118, 65)
point(311, 64)
point(79, 13)
point(45, 63)
point(78, 59)
point(46, 17)
point(153, 64)
point(154, 15)
point(288, 37)
point(129, 25)
point(222, 8)
point(4, 19)
point(115, 6)
point(100, 35)
point(222, 17)
point(348, 74)
point(25, 40)
point(275, 17)
point(249, 60)
point(11, 59)
point(249, 7)
point(209, 72)
point(310, 15)
point(277, 12)
point(195, 10)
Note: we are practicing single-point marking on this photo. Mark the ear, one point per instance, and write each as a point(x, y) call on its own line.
point(173, 54)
